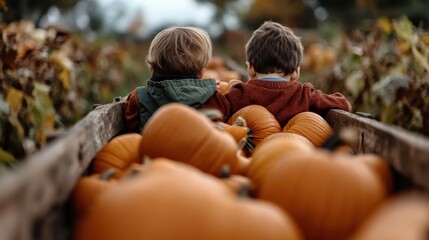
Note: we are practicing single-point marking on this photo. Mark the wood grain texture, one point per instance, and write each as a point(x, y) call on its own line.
point(45, 180)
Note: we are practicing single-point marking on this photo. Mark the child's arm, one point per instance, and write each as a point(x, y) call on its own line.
point(219, 102)
point(132, 112)
point(323, 102)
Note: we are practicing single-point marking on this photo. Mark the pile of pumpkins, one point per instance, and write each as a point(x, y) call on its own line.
point(188, 177)
point(225, 77)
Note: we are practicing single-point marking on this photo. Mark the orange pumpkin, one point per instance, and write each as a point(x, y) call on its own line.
point(226, 75)
point(344, 148)
point(380, 168)
point(328, 194)
point(288, 136)
point(269, 152)
point(239, 131)
point(339, 142)
point(209, 73)
point(172, 200)
point(88, 188)
point(260, 121)
point(236, 131)
point(119, 153)
point(215, 63)
point(179, 132)
point(223, 87)
point(402, 217)
point(310, 125)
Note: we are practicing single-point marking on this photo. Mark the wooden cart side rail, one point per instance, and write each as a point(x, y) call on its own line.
point(406, 152)
point(47, 178)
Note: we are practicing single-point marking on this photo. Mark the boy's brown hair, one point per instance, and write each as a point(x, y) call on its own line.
point(274, 48)
point(180, 51)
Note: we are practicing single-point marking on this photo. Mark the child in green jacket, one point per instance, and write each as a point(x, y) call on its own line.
point(177, 59)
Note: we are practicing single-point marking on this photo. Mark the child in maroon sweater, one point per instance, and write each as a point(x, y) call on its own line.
point(274, 54)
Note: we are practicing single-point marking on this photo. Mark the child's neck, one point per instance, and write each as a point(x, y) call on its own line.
point(273, 76)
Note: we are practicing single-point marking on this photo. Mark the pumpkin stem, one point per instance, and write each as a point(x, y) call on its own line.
point(225, 172)
point(219, 125)
point(345, 135)
point(147, 160)
point(106, 175)
point(212, 114)
point(241, 144)
point(250, 145)
point(132, 173)
point(243, 191)
point(240, 121)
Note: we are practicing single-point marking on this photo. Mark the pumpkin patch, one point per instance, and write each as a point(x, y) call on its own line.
point(198, 206)
point(286, 186)
point(326, 193)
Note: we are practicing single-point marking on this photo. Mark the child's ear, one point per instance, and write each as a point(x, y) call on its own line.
point(295, 75)
point(250, 70)
point(150, 69)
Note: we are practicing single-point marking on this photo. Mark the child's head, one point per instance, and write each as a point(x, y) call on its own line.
point(179, 51)
point(274, 48)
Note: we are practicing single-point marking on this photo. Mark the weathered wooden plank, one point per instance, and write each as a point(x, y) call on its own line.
point(407, 152)
point(45, 180)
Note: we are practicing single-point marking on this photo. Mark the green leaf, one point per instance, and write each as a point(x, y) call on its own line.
point(43, 112)
point(354, 83)
point(389, 113)
point(404, 28)
point(420, 58)
point(7, 161)
point(6, 158)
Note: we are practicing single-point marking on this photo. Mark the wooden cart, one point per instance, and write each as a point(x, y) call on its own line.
point(34, 199)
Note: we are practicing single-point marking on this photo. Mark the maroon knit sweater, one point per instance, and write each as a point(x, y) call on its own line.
point(283, 99)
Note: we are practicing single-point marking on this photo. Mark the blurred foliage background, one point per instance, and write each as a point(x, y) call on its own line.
point(59, 57)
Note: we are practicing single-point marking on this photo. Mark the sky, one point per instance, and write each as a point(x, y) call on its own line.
point(157, 13)
point(154, 14)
